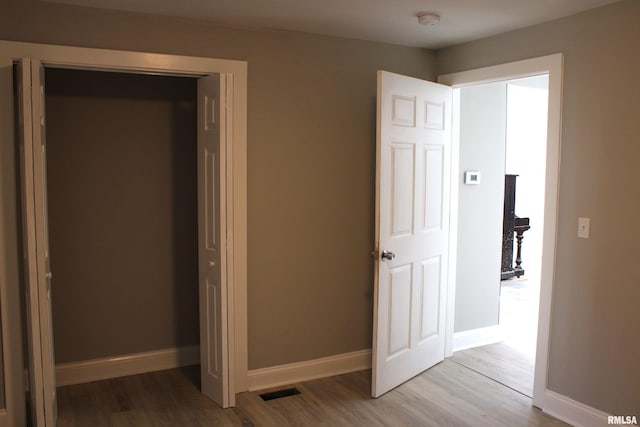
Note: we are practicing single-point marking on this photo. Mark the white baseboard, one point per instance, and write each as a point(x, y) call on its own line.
point(572, 412)
point(476, 337)
point(130, 364)
point(275, 376)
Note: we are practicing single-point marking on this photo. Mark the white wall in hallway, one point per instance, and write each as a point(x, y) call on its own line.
point(483, 112)
point(527, 101)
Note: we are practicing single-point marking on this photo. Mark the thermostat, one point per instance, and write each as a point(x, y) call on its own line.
point(472, 177)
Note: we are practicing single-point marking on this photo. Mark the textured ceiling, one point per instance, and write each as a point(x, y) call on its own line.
point(389, 21)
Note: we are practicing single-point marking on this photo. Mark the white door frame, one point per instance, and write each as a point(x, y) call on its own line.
point(553, 66)
point(236, 159)
point(13, 413)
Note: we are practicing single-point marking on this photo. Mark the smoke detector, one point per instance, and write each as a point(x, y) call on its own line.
point(428, 18)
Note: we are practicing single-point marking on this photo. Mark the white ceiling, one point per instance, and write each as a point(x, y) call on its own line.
point(389, 21)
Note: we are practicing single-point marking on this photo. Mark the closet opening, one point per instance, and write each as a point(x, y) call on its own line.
point(123, 200)
point(122, 210)
point(220, 167)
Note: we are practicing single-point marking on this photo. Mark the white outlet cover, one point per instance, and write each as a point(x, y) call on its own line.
point(584, 227)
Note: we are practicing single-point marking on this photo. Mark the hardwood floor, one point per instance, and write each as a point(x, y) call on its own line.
point(510, 362)
point(446, 395)
point(501, 363)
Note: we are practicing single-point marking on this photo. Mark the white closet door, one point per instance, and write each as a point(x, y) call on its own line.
point(214, 360)
point(36, 243)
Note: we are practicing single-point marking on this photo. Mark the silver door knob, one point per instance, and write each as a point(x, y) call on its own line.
point(387, 256)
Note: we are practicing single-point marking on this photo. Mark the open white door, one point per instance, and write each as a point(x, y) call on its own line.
point(25, 136)
point(36, 244)
point(412, 228)
point(214, 360)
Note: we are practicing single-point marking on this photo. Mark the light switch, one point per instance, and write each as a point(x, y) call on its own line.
point(584, 226)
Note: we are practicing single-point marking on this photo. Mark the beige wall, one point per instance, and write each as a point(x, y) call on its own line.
point(2, 403)
point(121, 175)
point(311, 169)
point(311, 161)
point(594, 348)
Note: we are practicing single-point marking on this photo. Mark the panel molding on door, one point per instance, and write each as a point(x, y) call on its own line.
point(212, 270)
point(412, 208)
point(402, 185)
point(44, 273)
point(37, 273)
point(433, 160)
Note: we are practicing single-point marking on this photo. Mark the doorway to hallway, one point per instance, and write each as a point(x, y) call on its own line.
point(503, 132)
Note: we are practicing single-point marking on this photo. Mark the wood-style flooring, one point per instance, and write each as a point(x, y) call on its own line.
point(448, 394)
point(501, 363)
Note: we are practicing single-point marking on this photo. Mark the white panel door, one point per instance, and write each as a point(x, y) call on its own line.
point(36, 244)
point(25, 137)
point(412, 228)
point(214, 361)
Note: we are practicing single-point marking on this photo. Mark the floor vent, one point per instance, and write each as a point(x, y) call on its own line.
point(279, 394)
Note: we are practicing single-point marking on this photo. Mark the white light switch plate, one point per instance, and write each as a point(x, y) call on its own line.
point(584, 227)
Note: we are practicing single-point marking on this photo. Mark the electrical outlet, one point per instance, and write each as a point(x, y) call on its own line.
point(584, 227)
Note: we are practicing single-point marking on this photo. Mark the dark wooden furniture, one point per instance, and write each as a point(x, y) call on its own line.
point(511, 224)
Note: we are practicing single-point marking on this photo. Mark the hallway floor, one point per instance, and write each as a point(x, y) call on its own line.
point(510, 362)
point(519, 302)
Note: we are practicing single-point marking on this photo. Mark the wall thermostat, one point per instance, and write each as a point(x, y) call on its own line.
point(472, 177)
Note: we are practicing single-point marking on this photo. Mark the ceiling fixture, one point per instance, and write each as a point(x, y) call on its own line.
point(428, 18)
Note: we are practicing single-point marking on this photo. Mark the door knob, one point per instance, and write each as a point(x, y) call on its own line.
point(212, 264)
point(388, 256)
point(48, 275)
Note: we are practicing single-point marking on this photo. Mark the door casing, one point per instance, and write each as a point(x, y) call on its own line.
point(235, 144)
point(553, 66)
